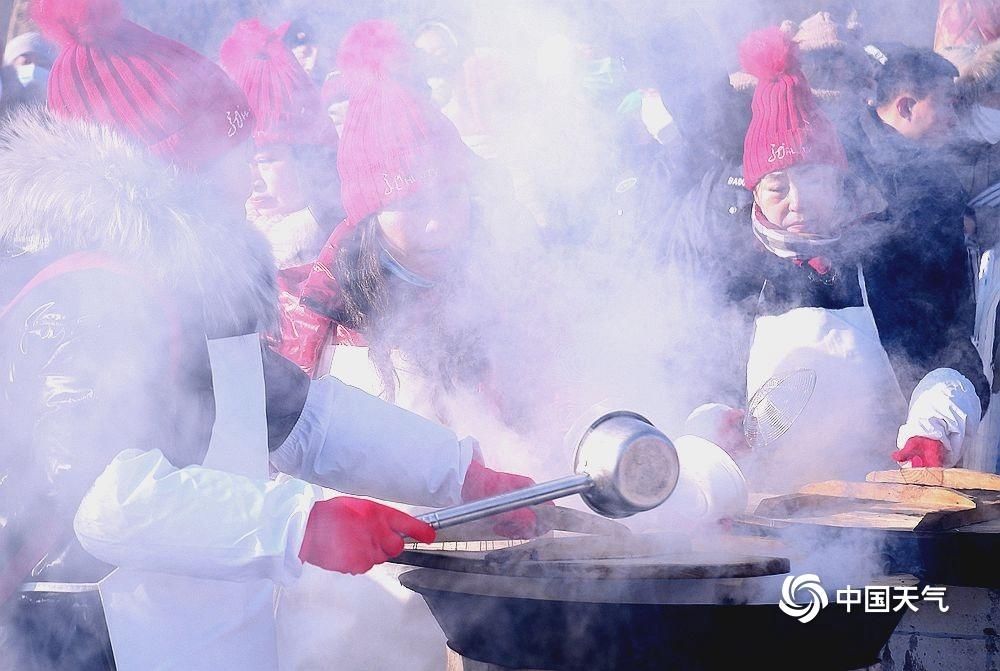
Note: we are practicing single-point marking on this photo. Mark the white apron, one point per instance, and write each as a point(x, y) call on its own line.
point(159, 621)
point(982, 454)
point(849, 425)
point(318, 618)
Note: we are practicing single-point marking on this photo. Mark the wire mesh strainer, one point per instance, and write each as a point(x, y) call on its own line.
point(776, 405)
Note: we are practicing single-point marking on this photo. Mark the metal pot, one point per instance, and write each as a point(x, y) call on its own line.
point(632, 465)
point(624, 465)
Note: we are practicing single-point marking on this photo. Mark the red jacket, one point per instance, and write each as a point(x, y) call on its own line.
point(309, 301)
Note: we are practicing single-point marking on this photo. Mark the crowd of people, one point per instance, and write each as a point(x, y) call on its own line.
point(248, 304)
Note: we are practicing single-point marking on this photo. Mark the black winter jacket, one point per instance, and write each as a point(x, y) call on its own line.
point(93, 363)
point(907, 305)
point(916, 260)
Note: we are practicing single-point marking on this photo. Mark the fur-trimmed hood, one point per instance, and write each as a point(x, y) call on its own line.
point(979, 69)
point(75, 185)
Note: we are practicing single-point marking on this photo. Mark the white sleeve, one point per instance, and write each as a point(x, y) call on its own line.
point(356, 443)
point(143, 512)
point(944, 406)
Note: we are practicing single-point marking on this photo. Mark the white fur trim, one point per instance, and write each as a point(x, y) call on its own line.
point(74, 185)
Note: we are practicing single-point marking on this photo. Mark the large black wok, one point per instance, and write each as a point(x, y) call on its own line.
point(961, 557)
point(641, 614)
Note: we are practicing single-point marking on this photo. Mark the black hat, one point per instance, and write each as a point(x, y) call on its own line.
point(300, 32)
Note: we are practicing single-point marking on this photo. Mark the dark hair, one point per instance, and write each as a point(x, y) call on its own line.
point(843, 70)
point(364, 286)
point(911, 70)
point(376, 304)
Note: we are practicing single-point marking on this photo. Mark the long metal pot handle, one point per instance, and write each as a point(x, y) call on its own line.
point(501, 503)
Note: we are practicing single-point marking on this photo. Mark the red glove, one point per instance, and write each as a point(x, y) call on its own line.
point(481, 482)
point(731, 433)
point(350, 535)
point(921, 451)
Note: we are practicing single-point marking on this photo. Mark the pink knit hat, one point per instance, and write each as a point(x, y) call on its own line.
point(787, 127)
point(394, 142)
point(285, 102)
point(110, 70)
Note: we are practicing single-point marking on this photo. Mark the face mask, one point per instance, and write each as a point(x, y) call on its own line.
point(985, 124)
point(27, 74)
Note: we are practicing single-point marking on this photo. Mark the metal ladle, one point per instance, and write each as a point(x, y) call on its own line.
point(624, 465)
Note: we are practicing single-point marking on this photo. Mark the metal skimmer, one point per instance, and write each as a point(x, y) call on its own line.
point(776, 405)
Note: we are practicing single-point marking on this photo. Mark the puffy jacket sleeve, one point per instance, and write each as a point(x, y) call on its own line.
point(144, 512)
point(83, 356)
point(358, 444)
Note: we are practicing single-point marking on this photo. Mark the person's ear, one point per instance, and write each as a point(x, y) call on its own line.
point(904, 107)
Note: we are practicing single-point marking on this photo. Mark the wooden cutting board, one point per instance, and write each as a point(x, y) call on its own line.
point(839, 511)
point(912, 496)
point(834, 504)
point(956, 478)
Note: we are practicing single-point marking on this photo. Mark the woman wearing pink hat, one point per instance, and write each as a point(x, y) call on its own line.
point(811, 222)
point(295, 200)
point(419, 207)
point(141, 414)
point(388, 282)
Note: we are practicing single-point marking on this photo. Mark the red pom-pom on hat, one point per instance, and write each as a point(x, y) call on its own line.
point(372, 49)
point(250, 40)
point(769, 53)
point(787, 127)
point(78, 21)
